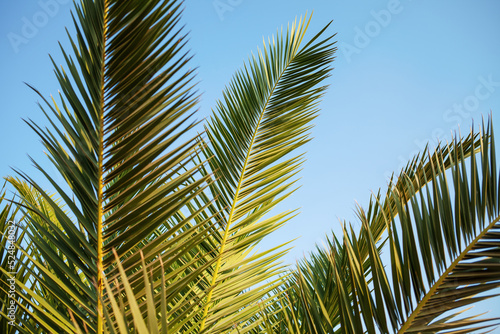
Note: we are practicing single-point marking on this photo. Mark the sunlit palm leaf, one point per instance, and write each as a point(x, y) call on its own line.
point(12, 236)
point(117, 139)
point(265, 115)
point(39, 292)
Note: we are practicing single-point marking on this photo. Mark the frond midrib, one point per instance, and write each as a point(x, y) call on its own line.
point(100, 173)
point(238, 188)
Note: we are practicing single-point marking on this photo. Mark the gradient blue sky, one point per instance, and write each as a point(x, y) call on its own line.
point(407, 72)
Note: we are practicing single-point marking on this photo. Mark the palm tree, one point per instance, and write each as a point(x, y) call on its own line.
point(155, 228)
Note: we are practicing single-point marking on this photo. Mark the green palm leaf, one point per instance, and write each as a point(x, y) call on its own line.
point(456, 227)
point(265, 115)
point(442, 247)
point(321, 295)
point(118, 140)
point(156, 231)
point(11, 260)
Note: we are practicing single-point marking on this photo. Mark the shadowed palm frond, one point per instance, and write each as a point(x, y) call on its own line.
point(345, 288)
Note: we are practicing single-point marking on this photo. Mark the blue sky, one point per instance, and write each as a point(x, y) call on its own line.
point(406, 73)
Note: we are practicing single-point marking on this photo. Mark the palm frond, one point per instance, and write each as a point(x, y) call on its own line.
point(265, 115)
point(455, 226)
point(344, 288)
point(438, 228)
point(118, 139)
point(12, 269)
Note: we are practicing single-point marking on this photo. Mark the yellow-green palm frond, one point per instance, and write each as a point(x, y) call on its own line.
point(118, 138)
point(263, 118)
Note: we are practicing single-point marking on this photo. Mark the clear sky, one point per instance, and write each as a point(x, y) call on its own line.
point(407, 72)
